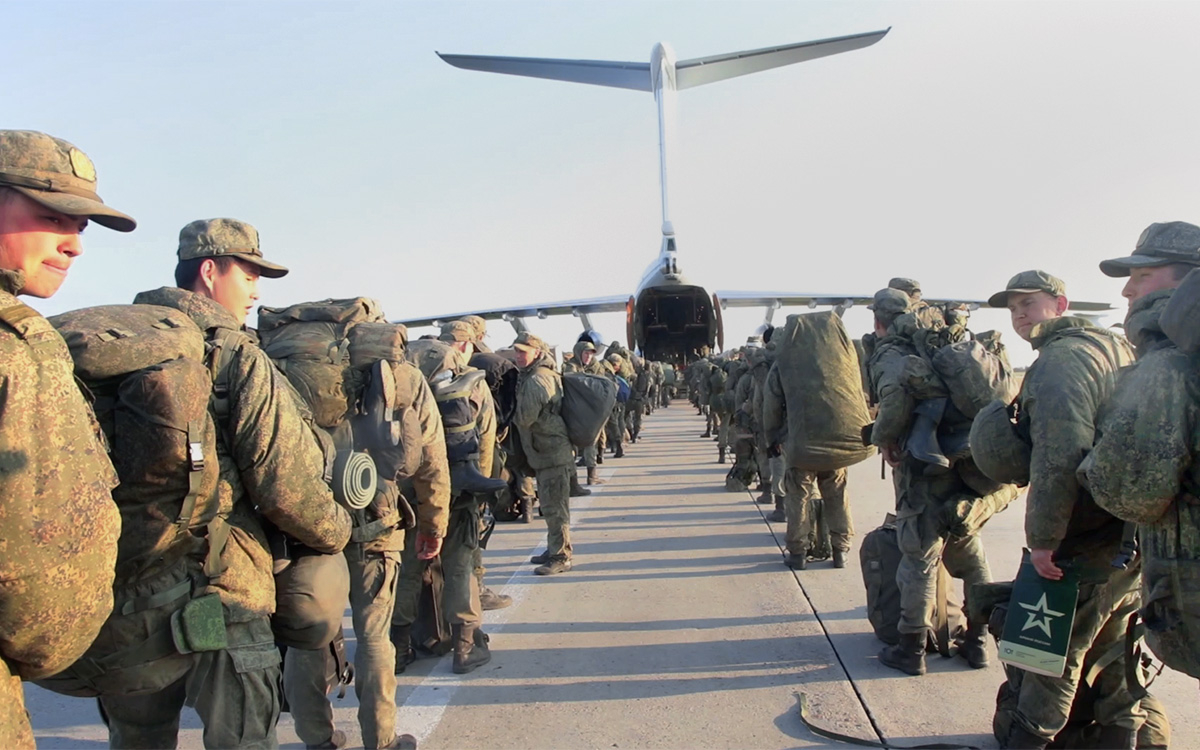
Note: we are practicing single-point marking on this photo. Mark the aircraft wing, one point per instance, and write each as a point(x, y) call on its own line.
point(702, 70)
point(569, 307)
point(793, 299)
point(622, 75)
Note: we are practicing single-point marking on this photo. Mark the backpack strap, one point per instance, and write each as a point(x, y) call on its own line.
point(223, 344)
point(196, 465)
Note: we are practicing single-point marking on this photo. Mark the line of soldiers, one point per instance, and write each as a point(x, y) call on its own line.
point(1107, 448)
point(235, 608)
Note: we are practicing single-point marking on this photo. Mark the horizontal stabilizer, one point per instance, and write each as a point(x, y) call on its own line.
point(621, 75)
point(702, 70)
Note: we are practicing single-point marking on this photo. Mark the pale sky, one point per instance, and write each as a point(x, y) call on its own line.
point(976, 140)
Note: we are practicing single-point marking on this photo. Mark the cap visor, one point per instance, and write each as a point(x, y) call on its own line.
point(75, 205)
point(525, 347)
point(1118, 267)
point(265, 268)
point(1000, 299)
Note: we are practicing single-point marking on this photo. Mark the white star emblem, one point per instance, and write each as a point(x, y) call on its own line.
point(1043, 622)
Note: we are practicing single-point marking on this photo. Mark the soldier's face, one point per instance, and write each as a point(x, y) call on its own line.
point(525, 357)
point(1143, 281)
point(39, 241)
point(235, 287)
point(1027, 310)
point(587, 356)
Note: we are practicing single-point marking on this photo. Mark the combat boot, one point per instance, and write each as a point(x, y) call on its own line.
point(796, 561)
point(1116, 738)
point(973, 647)
point(707, 433)
point(619, 452)
point(576, 489)
point(721, 455)
point(470, 648)
point(908, 655)
point(777, 515)
point(336, 741)
point(400, 742)
point(402, 640)
point(839, 561)
point(489, 600)
point(541, 559)
point(765, 497)
point(591, 476)
point(553, 566)
point(1020, 738)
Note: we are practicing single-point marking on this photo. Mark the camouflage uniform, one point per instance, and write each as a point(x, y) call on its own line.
point(922, 532)
point(639, 393)
point(460, 553)
point(615, 429)
point(800, 487)
point(1063, 390)
point(547, 447)
point(744, 429)
point(57, 576)
point(718, 407)
point(596, 367)
point(771, 468)
point(1159, 436)
point(236, 690)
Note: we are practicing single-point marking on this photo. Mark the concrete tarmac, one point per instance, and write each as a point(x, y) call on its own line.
point(679, 627)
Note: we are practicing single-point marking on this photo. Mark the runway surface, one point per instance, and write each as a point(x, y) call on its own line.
point(679, 627)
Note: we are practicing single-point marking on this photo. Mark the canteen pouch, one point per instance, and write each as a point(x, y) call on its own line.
point(200, 625)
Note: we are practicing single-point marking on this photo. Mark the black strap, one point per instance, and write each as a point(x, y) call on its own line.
point(838, 737)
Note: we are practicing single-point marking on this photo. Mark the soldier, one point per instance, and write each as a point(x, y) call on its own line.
point(547, 447)
point(1158, 436)
point(718, 409)
point(58, 577)
point(923, 533)
point(639, 394)
point(1060, 398)
point(771, 463)
point(615, 430)
point(469, 422)
point(801, 487)
point(466, 341)
point(587, 361)
point(479, 326)
point(270, 464)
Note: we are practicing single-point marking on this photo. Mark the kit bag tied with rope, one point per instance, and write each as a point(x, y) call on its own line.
point(145, 368)
point(338, 354)
point(822, 383)
point(588, 400)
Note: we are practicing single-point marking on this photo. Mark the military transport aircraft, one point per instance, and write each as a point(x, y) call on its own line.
point(669, 317)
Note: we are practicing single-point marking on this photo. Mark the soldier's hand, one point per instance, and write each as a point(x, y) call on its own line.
point(891, 454)
point(1043, 563)
point(428, 547)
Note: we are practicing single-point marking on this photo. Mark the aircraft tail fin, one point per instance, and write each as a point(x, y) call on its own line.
point(622, 75)
point(702, 70)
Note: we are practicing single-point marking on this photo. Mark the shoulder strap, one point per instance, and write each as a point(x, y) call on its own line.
point(17, 315)
point(223, 344)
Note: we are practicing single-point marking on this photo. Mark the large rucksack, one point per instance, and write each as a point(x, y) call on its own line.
point(822, 383)
point(587, 402)
point(338, 354)
point(150, 374)
point(879, 557)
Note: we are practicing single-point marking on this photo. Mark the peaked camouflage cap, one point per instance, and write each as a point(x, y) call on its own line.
point(216, 238)
point(457, 330)
point(55, 174)
point(911, 287)
point(1028, 282)
point(527, 340)
point(1160, 244)
point(477, 323)
point(889, 303)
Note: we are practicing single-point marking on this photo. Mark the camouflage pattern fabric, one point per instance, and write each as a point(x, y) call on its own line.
point(430, 483)
point(1160, 436)
point(58, 519)
point(802, 488)
point(539, 401)
point(554, 490)
point(1074, 374)
point(373, 578)
point(266, 433)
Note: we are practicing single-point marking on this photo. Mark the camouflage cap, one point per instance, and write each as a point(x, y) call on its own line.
point(889, 303)
point(457, 330)
point(1027, 282)
point(911, 287)
point(55, 174)
point(1160, 245)
point(477, 323)
point(527, 340)
point(214, 238)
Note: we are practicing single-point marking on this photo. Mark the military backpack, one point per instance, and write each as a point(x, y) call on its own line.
point(587, 402)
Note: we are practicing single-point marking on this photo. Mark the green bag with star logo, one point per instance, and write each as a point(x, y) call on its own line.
point(1041, 612)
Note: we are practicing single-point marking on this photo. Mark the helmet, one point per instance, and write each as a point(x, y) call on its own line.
point(998, 450)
